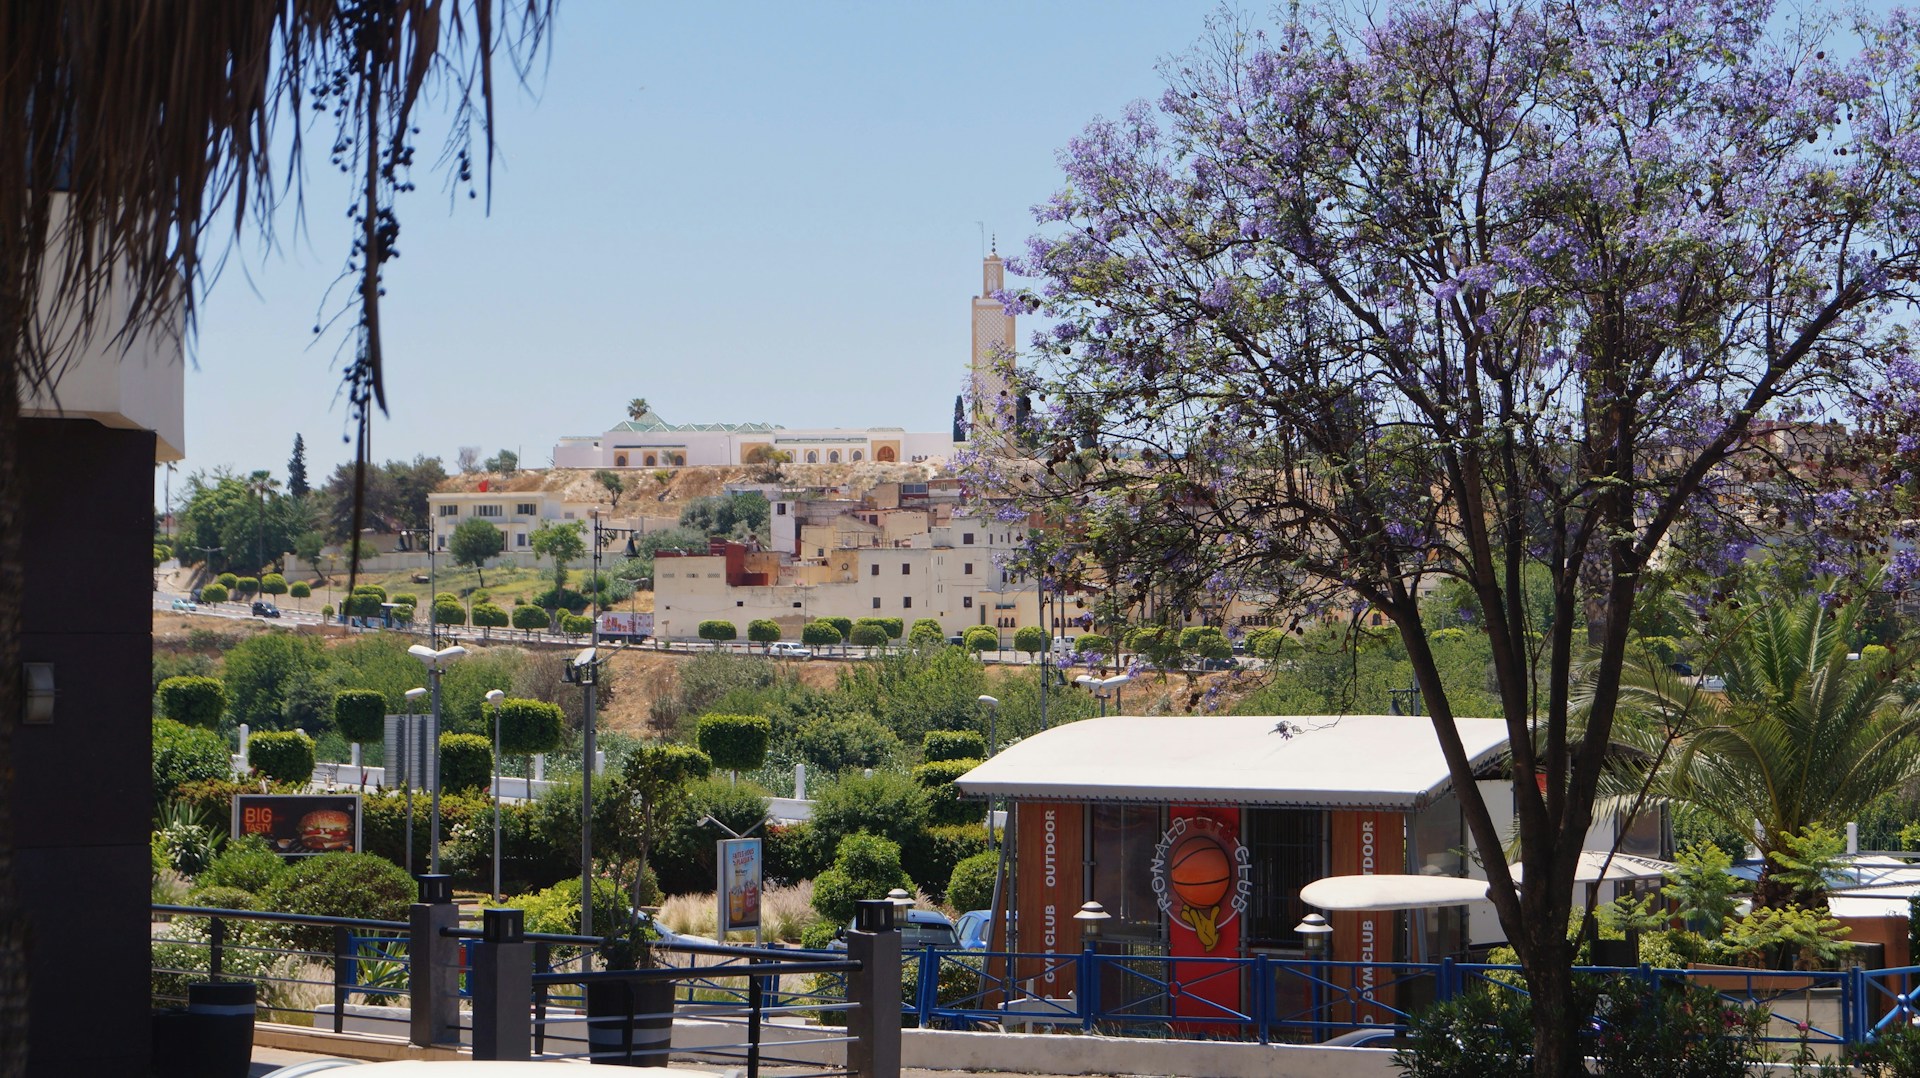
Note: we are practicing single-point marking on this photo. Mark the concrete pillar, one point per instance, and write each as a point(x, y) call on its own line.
point(502, 982)
point(539, 768)
point(800, 782)
point(434, 964)
point(874, 1022)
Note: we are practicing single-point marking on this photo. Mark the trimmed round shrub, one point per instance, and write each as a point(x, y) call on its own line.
point(819, 633)
point(229, 581)
point(1206, 642)
point(326, 610)
point(717, 630)
point(531, 618)
point(889, 804)
point(403, 614)
point(489, 616)
point(360, 714)
point(374, 590)
point(1093, 644)
point(194, 701)
point(364, 603)
point(980, 638)
point(530, 726)
point(945, 803)
point(281, 755)
point(213, 593)
point(926, 633)
point(893, 626)
point(449, 614)
point(466, 762)
point(406, 598)
point(869, 636)
point(247, 585)
point(832, 744)
point(246, 864)
point(339, 885)
point(843, 625)
point(864, 866)
point(300, 589)
point(578, 624)
point(1031, 639)
point(953, 745)
point(444, 597)
point(735, 742)
point(184, 754)
point(971, 886)
point(763, 630)
point(273, 584)
point(223, 898)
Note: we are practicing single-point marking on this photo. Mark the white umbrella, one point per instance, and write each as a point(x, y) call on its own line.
point(1597, 866)
point(1392, 892)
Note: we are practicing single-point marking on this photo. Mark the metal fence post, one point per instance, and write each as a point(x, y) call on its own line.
point(873, 1022)
point(1262, 993)
point(1449, 985)
point(433, 964)
point(216, 938)
point(543, 962)
point(343, 968)
point(928, 995)
point(1086, 986)
point(502, 987)
point(756, 990)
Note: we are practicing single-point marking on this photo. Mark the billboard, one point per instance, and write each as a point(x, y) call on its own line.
point(615, 624)
point(1049, 866)
point(300, 825)
point(1202, 876)
point(738, 888)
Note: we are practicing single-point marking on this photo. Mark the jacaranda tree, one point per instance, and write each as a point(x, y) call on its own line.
point(1473, 289)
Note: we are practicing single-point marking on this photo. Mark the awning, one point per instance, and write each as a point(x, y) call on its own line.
point(1354, 761)
point(1386, 891)
point(1621, 866)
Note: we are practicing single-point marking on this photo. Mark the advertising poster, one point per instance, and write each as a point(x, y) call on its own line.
point(1048, 866)
point(300, 825)
point(1202, 877)
point(1366, 844)
point(739, 884)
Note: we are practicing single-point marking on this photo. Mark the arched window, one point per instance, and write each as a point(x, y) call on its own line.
point(651, 460)
point(619, 460)
point(813, 456)
point(833, 456)
point(858, 456)
point(679, 460)
point(884, 454)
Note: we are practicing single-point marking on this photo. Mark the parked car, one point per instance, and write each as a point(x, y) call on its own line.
point(185, 605)
point(1369, 1037)
point(1219, 664)
point(265, 610)
point(924, 928)
point(787, 649)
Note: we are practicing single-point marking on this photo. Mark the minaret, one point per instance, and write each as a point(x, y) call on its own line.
point(993, 345)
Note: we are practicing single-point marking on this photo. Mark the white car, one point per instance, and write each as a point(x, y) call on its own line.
point(786, 649)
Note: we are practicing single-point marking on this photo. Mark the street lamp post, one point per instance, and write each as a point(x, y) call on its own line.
point(494, 696)
point(1315, 932)
point(1091, 918)
point(435, 662)
point(408, 746)
point(583, 671)
point(1103, 688)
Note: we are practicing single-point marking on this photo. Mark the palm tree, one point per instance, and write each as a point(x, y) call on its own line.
point(1805, 732)
point(261, 484)
point(637, 409)
point(136, 130)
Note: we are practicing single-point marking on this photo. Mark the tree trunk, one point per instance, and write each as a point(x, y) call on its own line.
point(1556, 1020)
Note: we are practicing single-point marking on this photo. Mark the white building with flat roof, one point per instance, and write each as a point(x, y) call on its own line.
point(652, 442)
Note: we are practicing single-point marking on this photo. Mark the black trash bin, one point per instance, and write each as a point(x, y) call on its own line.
point(219, 1029)
point(630, 1023)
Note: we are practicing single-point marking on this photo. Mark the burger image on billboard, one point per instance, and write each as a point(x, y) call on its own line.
point(326, 830)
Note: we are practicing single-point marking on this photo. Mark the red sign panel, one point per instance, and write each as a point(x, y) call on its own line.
point(1048, 840)
point(1202, 877)
point(1366, 844)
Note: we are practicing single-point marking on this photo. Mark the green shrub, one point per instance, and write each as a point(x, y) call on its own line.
point(281, 755)
point(945, 803)
point(763, 630)
point(926, 633)
point(228, 581)
point(819, 935)
point(735, 742)
point(247, 585)
point(223, 898)
point(1677, 1029)
point(563, 599)
point(684, 858)
point(466, 762)
point(933, 854)
point(339, 885)
point(1093, 644)
point(890, 805)
point(893, 626)
point(843, 626)
point(1471, 1036)
point(246, 864)
point(531, 618)
point(820, 633)
point(360, 714)
point(300, 589)
point(213, 593)
point(578, 624)
point(273, 584)
point(1031, 639)
point(489, 616)
point(980, 638)
point(556, 909)
point(375, 590)
point(832, 744)
point(971, 885)
point(449, 614)
point(530, 726)
point(794, 853)
point(364, 603)
point(326, 611)
point(953, 745)
point(864, 866)
point(184, 754)
point(869, 635)
point(717, 630)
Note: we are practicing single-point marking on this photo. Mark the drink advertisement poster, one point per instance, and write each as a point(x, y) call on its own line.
point(739, 884)
point(299, 825)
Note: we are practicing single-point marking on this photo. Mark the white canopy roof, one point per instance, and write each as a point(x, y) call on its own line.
point(1352, 761)
point(1391, 891)
point(1619, 866)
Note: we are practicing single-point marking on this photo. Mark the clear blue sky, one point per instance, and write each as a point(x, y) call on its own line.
point(746, 211)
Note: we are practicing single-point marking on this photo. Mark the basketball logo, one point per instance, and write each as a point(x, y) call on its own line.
point(1201, 877)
